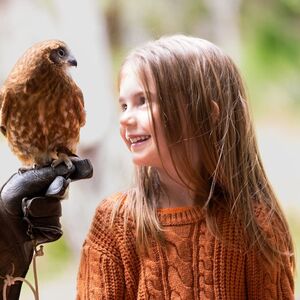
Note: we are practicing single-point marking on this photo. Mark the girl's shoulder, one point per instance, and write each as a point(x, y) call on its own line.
point(273, 238)
point(272, 224)
point(111, 204)
point(267, 217)
point(110, 208)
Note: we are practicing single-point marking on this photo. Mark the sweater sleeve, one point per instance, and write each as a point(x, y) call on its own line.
point(101, 272)
point(99, 276)
point(265, 281)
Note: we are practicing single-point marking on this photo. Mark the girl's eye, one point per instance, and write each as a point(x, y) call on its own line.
point(142, 100)
point(123, 107)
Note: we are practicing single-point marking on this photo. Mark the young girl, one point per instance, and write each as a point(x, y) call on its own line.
point(202, 221)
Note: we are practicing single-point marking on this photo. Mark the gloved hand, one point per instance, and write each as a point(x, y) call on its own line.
point(30, 209)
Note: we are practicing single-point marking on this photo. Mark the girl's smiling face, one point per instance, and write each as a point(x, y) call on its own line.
point(136, 122)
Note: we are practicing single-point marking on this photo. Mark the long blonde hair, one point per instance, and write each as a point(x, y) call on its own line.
point(190, 74)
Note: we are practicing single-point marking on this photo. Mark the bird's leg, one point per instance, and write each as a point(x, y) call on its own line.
point(62, 158)
point(25, 169)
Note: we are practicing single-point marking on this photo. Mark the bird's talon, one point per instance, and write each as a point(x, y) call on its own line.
point(62, 158)
point(23, 170)
point(69, 166)
point(55, 163)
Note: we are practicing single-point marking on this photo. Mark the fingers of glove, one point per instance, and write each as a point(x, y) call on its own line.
point(83, 168)
point(32, 182)
point(41, 207)
point(58, 187)
point(46, 234)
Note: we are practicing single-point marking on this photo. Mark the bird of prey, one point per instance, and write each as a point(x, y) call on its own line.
point(42, 108)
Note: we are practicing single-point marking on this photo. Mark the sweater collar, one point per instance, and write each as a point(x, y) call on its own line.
point(180, 215)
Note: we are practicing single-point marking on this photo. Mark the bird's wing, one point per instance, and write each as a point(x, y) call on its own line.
point(79, 106)
point(1, 101)
point(80, 96)
point(5, 100)
point(0, 105)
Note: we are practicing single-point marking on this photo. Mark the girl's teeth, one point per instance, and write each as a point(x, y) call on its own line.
point(138, 139)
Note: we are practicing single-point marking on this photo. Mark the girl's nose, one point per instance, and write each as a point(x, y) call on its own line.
point(127, 119)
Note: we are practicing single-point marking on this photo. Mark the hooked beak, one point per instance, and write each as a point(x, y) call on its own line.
point(72, 61)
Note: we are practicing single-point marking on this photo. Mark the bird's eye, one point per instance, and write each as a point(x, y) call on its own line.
point(61, 52)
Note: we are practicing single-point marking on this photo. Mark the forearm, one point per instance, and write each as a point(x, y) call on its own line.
point(15, 254)
point(99, 276)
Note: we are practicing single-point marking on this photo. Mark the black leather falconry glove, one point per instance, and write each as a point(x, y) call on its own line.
point(30, 209)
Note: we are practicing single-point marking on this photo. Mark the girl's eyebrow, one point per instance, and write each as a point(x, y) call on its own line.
point(134, 95)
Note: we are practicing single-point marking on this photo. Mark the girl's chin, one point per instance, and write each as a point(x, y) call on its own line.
point(140, 161)
point(145, 162)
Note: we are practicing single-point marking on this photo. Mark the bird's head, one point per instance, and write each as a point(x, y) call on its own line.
point(59, 54)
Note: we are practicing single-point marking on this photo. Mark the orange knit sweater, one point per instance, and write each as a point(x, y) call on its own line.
point(191, 264)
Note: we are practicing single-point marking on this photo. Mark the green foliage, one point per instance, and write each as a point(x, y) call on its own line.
point(56, 257)
point(271, 55)
point(292, 7)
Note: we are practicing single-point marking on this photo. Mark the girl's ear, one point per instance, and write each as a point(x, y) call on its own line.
point(215, 111)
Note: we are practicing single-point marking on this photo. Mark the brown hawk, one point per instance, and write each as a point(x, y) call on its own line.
point(42, 108)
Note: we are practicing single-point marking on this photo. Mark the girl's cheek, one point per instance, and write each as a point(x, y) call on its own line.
point(122, 134)
point(126, 142)
point(146, 120)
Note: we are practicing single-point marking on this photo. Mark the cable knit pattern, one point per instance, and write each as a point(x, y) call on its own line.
point(191, 264)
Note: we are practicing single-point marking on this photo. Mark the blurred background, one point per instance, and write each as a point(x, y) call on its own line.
point(263, 37)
